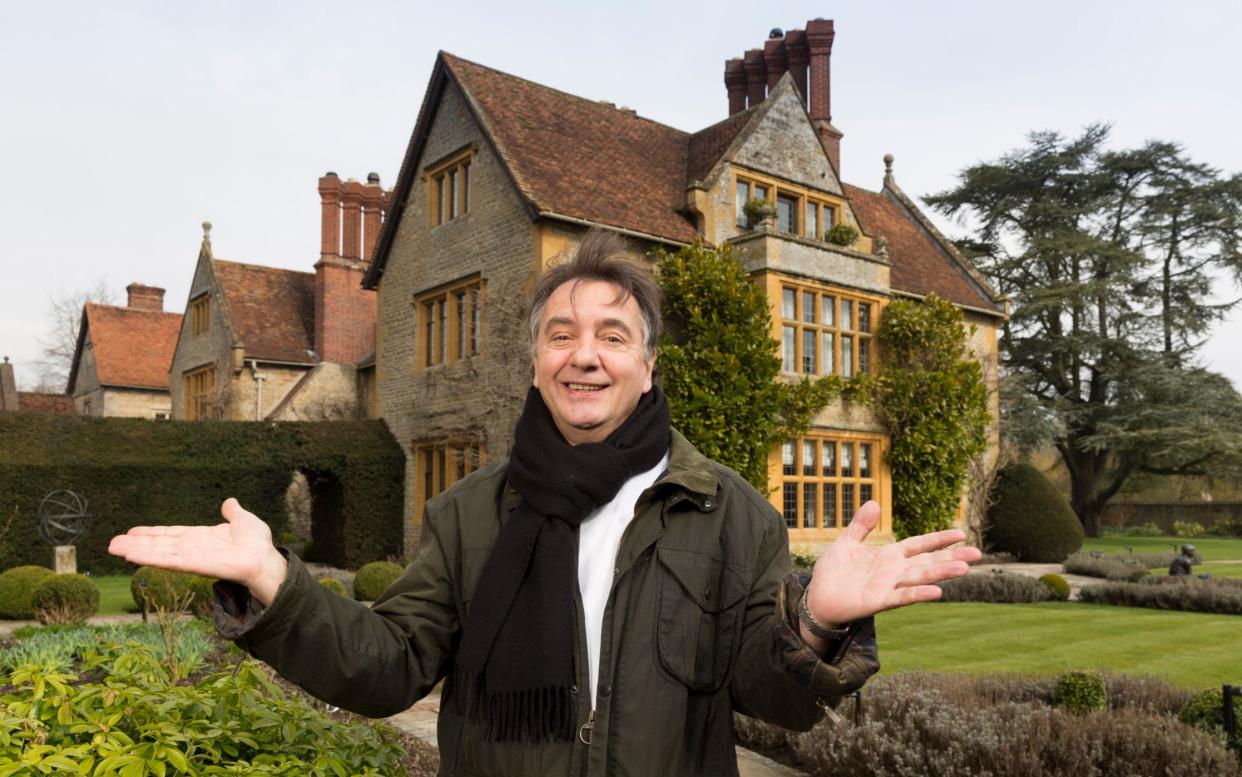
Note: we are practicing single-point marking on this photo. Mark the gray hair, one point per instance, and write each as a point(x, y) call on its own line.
point(604, 256)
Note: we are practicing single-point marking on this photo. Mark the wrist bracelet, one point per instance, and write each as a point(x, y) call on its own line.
point(815, 627)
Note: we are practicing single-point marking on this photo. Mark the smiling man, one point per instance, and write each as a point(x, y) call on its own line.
point(599, 604)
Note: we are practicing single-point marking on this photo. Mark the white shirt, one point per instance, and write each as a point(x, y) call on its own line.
point(599, 538)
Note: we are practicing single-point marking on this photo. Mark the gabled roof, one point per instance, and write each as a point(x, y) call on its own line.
point(922, 263)
point(272, 310)
point(582, 158)
point(132, 347)
point(708, 145)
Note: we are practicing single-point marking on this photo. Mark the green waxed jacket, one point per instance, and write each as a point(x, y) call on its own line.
point(698, 625)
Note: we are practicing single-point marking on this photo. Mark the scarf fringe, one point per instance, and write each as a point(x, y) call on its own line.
point(532, 715)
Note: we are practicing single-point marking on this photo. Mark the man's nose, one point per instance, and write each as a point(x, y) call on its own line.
point(586, 354)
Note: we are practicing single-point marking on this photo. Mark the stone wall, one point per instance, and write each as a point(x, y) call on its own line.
point(477, 397)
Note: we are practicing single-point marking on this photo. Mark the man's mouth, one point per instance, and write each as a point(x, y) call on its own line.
point(584, 386)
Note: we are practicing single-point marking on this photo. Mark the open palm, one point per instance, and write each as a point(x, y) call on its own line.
point(240, 549)
point(852, 580)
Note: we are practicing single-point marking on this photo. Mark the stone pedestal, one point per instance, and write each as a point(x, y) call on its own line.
point(66, 559)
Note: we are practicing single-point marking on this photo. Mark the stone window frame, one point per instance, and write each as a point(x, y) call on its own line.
point(449, 322)
point(793, 330)
point(200, 386)
point(773, 189)
point(439, 464)
point(848, 489)
point(450, 186)
point(200, 315)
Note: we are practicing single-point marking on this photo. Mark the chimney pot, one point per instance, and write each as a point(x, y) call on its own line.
point(373, 178)
point(756, 77)
point(776, 33)
point(735, 84)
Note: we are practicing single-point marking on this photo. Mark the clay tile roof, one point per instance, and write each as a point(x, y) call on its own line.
point(52, 404)
point(708, 145)
point(581, 158)
point(132, 347)
point(272, 310)
point(920, 265)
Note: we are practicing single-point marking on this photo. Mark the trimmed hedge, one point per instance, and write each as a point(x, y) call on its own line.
point(374, 579)
point(1030, 518)
point(1057, 586)
point(62, 599)
point(994, 588)
point(133, 471)
point(1080, 692)
point(1220, 596)
point(17, 585)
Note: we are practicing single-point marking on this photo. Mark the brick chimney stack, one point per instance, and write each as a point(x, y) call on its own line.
point(806, 55)
point(353, 215)
point(819, 37)
point(145, 297)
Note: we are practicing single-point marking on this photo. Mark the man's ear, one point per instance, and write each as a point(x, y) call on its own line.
point(650, 372)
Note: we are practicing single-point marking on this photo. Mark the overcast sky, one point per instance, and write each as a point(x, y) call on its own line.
point(126, 124)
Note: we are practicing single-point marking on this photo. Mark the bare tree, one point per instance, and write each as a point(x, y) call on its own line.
point(60, 339)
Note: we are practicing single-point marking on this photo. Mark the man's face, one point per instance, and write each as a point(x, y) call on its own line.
point(590, 365)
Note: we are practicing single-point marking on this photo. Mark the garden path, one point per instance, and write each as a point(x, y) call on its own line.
point(1076, 582)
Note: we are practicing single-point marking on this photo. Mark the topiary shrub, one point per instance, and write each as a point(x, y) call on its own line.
point(994, 589)
point(1080, 692)
point(1057, 586)
point(1030, 518)
point(332, 584)
point(375, 578)
point(842, 235)
point(201, 604)
point(61, 599)
point(1206, 711)
point(16, 587)
point(160, 588)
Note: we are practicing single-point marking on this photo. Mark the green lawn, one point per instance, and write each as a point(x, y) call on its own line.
point(114, 595)
point(1193, 650)
point(1210, 548)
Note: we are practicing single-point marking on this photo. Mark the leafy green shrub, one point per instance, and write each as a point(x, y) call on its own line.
point(1080, 692)
point(154, 588)
point(1030, 518)
point(1142, 530)
point(16, 587)
point(204, 596)
point(1221, 596)
point(1206, 711)
point(374, 579)
point(931, 395)
point(756, 210)
point(1188, 530)
point(63, 599)
point(922, 724)
point(137, 721)
point(332, 584)
point(994, 588)
point(58, 648)
point(1227, 529)
point(802, 558)
point(1057, 586)
point(842, 235)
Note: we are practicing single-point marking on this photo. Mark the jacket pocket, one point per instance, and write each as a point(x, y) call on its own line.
point(701, 607)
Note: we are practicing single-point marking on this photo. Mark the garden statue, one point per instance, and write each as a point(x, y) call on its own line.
point(1181, 565)
point(62, 520)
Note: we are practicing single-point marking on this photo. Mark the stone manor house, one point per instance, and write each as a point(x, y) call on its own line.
point(503, 176)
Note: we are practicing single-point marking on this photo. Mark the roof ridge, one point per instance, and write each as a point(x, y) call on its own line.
point(546, 88)
point(267, 267)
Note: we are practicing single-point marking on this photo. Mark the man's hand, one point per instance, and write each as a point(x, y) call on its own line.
point(852, 581)
point(240, 549)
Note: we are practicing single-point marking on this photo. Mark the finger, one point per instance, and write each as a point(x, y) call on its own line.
point(905, 596)
point(866, 519)
point(928, 574)
point(233, 511)
point(923, 543)
point(964, 553)
point(157, 531)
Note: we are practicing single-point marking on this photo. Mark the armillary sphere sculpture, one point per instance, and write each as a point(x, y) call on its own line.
point(62, 517)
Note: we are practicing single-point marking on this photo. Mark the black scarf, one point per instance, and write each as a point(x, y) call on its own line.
point(515, 667)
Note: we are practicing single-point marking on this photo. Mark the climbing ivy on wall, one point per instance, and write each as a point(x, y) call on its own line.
point(931, 395)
